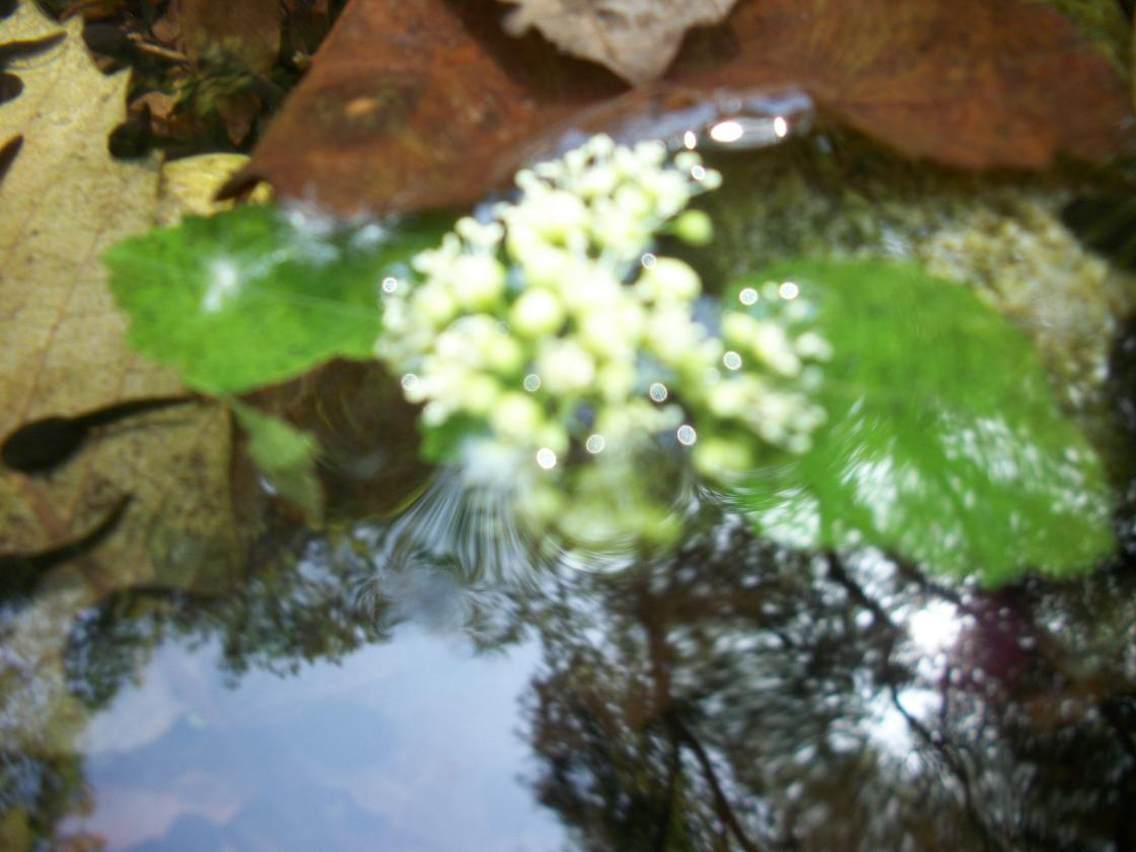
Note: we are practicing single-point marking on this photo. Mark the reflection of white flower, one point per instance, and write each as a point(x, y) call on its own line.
point(564, 366)
point(552, 326)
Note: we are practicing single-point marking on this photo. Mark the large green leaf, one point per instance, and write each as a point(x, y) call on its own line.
point(254, 296)
point(943, 443)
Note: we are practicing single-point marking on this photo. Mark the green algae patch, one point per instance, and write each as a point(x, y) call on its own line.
point(943, 443)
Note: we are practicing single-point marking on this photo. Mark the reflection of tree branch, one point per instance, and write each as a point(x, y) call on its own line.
point(721, 803)
point(653, 616)
point(838, 575)
point(673, 772)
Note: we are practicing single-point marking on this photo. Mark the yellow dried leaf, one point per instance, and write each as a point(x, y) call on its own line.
point(62, 203)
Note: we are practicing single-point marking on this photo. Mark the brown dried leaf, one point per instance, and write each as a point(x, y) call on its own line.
point(411, 106)
point(967, 83)
point(637, 39)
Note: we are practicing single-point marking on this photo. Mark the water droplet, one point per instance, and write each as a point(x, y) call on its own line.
point(409, 381)
point(732, 360)
point(657, 391)
point(788, 290)
point(595, 444)
point(531, 383)
point(689, 140)
point(698, 173)
point(726, 132)
point(748, 296)
point(390, 284)
point(686, 435)
point(648, 260)
point(546, 458)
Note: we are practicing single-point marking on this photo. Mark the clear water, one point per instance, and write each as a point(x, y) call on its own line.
point(733, 696)
point(416, 679)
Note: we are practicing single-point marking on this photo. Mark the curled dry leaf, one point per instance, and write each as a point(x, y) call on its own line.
point(412, 106)
point(637, 39)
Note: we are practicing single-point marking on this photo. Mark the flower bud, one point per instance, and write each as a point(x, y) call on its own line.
point(537, 313)
point(693, 227)
point(517, 416)
point(479, 280)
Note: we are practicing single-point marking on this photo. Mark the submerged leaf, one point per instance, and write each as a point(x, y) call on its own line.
point(943, 442)
point(251, 297)
point(285, 455)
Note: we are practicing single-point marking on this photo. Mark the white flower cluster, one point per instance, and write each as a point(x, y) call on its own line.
point(555, 329)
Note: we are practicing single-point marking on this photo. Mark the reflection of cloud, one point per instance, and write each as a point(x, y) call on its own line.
point(141, 716)
point(935, 627)
point(128, 817)
point(369, 752)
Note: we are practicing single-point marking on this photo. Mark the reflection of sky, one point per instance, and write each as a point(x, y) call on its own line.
point(410, 745)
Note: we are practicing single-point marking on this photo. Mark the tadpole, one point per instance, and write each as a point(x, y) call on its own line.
point(22, 48)
point(8, 154)
point(41, 445)
point(20, 572)
point(10, 87)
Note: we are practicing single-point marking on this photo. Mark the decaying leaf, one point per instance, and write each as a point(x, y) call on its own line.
point(964, 82)
point(249, 31)
point(63, 201)
point(637, 39)
point(411, 107)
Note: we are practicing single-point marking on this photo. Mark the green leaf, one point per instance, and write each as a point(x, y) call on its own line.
point(943, 442)
point(285, 455)
point(250, 297)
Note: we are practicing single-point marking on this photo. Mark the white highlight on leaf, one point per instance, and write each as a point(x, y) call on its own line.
point(224, 282)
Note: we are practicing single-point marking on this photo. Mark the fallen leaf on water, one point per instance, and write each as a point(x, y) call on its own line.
point(62, 202)
point(429, 105)
point(637, 39)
